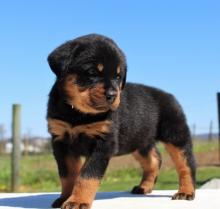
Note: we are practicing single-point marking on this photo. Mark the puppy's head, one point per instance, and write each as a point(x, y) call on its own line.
point(91, 73)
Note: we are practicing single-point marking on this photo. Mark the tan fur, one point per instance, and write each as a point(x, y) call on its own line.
point(120, 86)
point(84, 191)
point(118, 70)
point(59, 128)
point(83, 98)
point(150, 165)
point(117, 101)
point(78, 97)
point(97, 96)
point(177, 155)
point(100, 67)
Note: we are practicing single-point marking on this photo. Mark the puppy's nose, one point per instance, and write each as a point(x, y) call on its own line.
point(110, 95)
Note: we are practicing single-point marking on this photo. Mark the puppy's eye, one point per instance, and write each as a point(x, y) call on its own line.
point(118, 77)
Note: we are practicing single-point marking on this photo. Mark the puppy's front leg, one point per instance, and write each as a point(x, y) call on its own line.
point(88, 182)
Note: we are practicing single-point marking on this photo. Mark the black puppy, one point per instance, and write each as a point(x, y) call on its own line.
point(92, 113)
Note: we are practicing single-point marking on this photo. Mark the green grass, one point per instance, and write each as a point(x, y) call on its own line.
point(120, 180)
point(39, 174)
point(205, 146)
point(198, 146)
point(4, 173)
point(124, 180)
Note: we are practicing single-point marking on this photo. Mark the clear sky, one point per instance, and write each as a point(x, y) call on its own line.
point(173, 45)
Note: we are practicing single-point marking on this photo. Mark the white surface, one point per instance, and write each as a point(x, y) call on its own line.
point(205, 199)
point(212, 184)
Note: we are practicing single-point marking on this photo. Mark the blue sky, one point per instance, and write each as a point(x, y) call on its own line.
point(173, 45)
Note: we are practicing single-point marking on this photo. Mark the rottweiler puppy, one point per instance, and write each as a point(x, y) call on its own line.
point(93, 112)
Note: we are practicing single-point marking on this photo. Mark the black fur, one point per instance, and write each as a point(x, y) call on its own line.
point(145, 115)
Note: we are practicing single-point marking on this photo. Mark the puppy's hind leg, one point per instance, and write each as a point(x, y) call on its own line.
point(185, 166)
point(150, 160)
point(174, 132)
point(178, 143)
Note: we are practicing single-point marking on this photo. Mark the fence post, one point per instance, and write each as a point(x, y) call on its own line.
point(16, 141)
point(218, 102)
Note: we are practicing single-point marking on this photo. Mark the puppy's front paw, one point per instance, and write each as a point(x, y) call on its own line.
point(183, 196)
point(58, 202)
point(75, 205)
point(140, 190)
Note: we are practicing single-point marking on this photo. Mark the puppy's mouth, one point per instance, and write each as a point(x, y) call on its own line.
point(96, 105)
point(106, 102)
point(103, 105)
point(93, 107)
point(102, 108)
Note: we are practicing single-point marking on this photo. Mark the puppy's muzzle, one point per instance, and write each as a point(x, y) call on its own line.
point(110, 96)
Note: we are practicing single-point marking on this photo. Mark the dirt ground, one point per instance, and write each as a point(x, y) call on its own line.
point(128, 161)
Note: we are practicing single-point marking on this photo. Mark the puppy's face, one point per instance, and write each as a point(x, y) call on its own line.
point(94, 73)
point(95, 89)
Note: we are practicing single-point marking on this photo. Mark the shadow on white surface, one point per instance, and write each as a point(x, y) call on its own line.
point(45, 200)
point(32, 201)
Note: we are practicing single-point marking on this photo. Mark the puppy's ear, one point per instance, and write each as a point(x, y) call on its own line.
point(124, 78)
point(61, 58)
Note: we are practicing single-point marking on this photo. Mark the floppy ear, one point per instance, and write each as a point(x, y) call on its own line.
point(60, 59)
point(124, 78)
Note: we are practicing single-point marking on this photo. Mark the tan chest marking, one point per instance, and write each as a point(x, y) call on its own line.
point(59, 128)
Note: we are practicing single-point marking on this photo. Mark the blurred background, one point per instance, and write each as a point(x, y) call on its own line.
point(172, 45)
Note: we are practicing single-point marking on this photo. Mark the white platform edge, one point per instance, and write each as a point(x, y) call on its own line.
point(158, 199)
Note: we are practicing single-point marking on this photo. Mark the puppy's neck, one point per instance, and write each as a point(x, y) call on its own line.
point(75, 117)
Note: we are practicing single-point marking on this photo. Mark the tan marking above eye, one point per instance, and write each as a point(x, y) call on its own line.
point(100, 67)
point(59, 128)
point(118, 70)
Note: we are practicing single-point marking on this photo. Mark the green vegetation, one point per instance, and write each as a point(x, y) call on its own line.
point(205, 146)
point(198, 146)
point(39, 174)
point(124, 180)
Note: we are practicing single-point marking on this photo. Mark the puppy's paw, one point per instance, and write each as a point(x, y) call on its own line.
point(140, 190)
point(183, 196)
point(58, 202)
point(75, 205)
